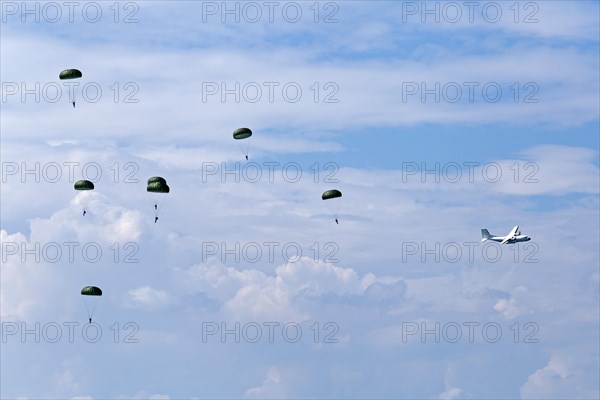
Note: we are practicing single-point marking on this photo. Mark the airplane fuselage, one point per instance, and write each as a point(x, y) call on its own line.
point(516, 239)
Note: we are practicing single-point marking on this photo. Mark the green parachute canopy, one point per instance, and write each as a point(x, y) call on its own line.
point(331, 194)
point(155, 179)
point(70, 74)
point(242, 133)
point(84, 185)
point(91, 291)
point(158, 187)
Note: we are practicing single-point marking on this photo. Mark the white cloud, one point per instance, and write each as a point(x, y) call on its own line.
point(147, 297)
point(541, 170)
point(251, 293)
point(509, 307)
point(561, 379)
point(143, 394)
point(271, 388)
point(22, 281)
point(451, 393)
point(552, 170)
point(450, 390)
point(369, 93)
point(67, 382)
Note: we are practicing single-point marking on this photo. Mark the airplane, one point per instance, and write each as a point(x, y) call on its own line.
point(513, 237)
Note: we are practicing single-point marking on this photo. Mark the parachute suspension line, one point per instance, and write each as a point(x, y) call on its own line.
point(73, 96)
point(90, 308)
point(244, 148)
point(87, 309)
point(155, 200)
point(159, 202)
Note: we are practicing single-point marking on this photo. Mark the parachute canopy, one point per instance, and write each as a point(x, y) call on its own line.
point(70, 74)
point(331, 194)
point(242, 133)
point(155, 179)
point(158, 187)
point(91, 291)
point(84, 185)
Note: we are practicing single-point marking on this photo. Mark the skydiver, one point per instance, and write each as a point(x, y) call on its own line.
point(246, 158)
point(90, 320)
point(84, 213)
point(155, 219)
point(155, 207)
point(73, 104)
point(336, 221)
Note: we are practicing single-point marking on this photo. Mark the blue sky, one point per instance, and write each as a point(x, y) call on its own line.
point(246, 287)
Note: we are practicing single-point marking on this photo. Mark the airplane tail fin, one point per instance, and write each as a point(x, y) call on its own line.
point(485, 235)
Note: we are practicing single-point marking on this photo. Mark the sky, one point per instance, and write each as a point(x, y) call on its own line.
point(434, 119)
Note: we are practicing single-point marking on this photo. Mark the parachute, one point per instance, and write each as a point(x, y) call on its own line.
point(157, 179)
point(243, 133)
point(84, 185)
point(157, 185)
point(71, 74)
point(331, 194)
point(84, 198)
point(332, 204)
point(90, 300)
point(91, 291)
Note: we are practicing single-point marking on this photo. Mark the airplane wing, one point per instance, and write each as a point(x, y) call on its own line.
point(510, 235)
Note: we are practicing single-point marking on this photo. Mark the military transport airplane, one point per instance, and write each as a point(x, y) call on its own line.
point(513, 237)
